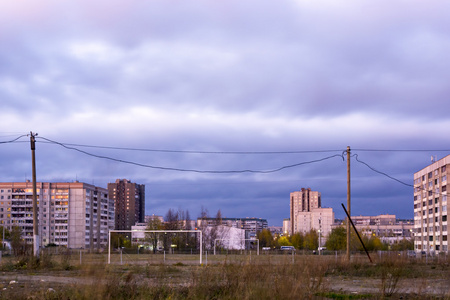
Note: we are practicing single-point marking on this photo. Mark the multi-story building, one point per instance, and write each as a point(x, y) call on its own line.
point(319, 219)
point(71, 214)
point(129, 201)
point(386, 227)
point(430, 207)
point(286, 226)
point(301, 201)
point(251, 225)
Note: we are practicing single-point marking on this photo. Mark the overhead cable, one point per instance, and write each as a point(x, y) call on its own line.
point(188, 170)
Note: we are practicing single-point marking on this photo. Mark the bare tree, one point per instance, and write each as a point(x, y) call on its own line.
point(154, 237)
point(172, 222)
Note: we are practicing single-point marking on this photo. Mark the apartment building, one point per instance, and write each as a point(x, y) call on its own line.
point(317, 219)
point(430, 207)
point(129, 201)
point(71, 214)
point(301, 201)
point(386, 227)
point(251, 225)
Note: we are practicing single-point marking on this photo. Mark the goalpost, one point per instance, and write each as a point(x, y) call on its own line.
point(149, 231)
point(257, 240)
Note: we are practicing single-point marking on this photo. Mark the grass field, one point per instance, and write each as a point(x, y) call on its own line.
point(232, 276)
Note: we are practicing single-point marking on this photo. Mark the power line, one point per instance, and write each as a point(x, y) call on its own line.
point(379, 172)
point(393, 178)
point(195, 151)
point(13, 140)
point(189, 170)
point(400, 150)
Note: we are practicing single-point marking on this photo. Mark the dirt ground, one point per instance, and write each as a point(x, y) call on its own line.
point(17, 282)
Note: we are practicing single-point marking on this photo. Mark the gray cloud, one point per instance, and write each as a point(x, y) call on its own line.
point(232, 76)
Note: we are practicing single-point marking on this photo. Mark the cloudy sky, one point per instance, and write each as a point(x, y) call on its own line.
point(197, 91)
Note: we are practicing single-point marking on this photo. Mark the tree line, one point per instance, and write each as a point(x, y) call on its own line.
point(336, 241)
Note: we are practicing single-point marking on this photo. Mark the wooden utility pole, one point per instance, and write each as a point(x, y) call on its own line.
point(35, 212)
point(348, 203)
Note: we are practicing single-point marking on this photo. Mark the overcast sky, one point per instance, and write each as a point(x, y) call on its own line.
point(243, 85)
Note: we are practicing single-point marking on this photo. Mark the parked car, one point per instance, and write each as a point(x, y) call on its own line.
point(287, 248)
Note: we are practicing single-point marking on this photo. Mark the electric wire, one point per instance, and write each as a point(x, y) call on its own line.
point(379, 172)
point(393, 178)
point(189, 170)
point(13, 140)
point(72, 146)
point(194, 151)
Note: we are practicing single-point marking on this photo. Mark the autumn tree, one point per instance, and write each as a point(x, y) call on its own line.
point(284, 241)
point(265, 238)
point(403, 245)
point(337, 239)
point(171, 223)
point(297, 240)
point(18, 245)
point(311, 241)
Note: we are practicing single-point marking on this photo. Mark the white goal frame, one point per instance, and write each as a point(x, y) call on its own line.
point(257, 240)
point(160, 231)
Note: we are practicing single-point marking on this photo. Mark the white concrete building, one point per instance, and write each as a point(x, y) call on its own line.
point(227, 237)
point(430, 207)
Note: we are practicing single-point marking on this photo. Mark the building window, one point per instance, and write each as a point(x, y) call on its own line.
point(430, 175)
point(444, 218)
point(443, 168)
point(444, 188)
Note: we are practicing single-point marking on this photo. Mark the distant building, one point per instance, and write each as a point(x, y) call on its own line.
point(153, 217)
point(307, 213)
point(386, 227)
point(71, 214)
point(251, 225)
point(318, 219)
point(430, 207)
point(286, 226)
point(226, 237)
point(302, 201)
point(276, 230)
point(129, 203)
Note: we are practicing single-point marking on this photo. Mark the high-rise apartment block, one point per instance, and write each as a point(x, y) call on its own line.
point(304, 200)
point(71, 214)
point(307, 213)
point(430, 207)
point(129, 202)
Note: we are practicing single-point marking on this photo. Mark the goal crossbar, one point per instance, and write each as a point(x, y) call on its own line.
point(150, 231)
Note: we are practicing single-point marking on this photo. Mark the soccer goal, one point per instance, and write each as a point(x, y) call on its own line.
point(153, 231)
point(239, 245)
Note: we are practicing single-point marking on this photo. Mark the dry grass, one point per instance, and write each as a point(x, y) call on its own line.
point(225, 277)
